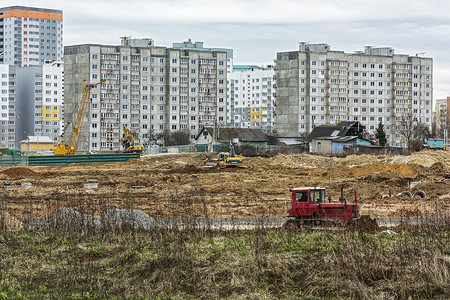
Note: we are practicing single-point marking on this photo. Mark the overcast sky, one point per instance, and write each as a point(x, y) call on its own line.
point(257, 29)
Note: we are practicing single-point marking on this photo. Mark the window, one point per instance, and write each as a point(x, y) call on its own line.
point(302, 196)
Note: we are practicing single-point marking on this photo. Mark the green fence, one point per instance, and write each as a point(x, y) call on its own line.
point(178, 149)
point(69, 159)
point(13, 160)
point(216, 148)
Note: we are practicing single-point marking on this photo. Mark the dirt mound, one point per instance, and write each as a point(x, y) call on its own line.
point(18, 172)
point(186, 169)
point(382, 176)
point(366, 224)
point(404, 212)
point(365, 170)
point(425, 158)
point(10, 223)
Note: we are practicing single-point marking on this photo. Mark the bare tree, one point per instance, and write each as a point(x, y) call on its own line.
point(443, 122)
point(181, 137)
point(175, 138)
point(414, 132)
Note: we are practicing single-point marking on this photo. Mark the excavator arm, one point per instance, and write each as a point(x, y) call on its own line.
point(128, 142)
point(128, 138)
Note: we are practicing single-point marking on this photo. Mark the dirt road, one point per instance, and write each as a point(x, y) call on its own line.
point(177, 185)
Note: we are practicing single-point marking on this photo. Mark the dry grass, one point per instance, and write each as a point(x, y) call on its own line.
point(205, 264)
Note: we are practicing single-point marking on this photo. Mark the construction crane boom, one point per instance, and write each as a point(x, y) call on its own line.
point(71, 146)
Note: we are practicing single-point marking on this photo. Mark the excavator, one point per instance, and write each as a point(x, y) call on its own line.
point(128, 142)
point(61, 147)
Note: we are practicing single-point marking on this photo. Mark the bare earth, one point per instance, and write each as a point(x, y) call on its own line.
point(178, 185)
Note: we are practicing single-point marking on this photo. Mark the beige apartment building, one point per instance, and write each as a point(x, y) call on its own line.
point(148, 88)
point(317, 85)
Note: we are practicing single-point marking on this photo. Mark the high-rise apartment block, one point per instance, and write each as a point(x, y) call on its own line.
point(39, 101)
point(148, 88)
point(250, 101)
point(7, 106)
point(316, 85)
point(30, 36)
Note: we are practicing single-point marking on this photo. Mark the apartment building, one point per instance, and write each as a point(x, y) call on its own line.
point(39, 101)
point(7, 106)
point(250, 101)
point(442, 117)
point(316, 85)
point(148, 88)
point(30, 36)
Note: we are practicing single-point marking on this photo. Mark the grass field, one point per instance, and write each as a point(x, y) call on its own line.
point(203, 264)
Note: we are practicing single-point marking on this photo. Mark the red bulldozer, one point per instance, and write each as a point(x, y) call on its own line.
point(310, 207)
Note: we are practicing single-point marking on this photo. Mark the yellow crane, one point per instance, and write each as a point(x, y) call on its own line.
point(128, 142)
point(62, 148)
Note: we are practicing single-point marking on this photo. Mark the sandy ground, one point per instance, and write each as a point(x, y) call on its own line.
point(178, 185)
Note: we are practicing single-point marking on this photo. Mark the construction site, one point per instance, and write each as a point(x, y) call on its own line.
point(184, 186)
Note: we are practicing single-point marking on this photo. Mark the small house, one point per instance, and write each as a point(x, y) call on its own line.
point(336, 145)
point(332, 139)
point(36, 144)
point(221, 137)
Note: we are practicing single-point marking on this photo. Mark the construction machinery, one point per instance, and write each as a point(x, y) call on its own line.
point(128, 142)
point(309, 207)
point(227, 159)
point(61, 147)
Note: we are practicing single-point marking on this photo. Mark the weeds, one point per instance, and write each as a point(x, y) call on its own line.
point(225, 264)
point(187, 258)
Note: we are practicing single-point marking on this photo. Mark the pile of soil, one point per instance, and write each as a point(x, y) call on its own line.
point(18, 172)
point(366, 224)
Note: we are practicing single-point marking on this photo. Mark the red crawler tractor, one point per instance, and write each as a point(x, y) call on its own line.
point(310, 207)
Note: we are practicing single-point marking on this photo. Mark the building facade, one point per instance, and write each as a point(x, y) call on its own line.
point(7, 106)
point(39, 98)
point(443, 118)
point(30, 36)
point(316, 85)
point(148, 88)
point(250, 101)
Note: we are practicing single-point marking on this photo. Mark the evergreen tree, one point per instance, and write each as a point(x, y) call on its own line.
point(380, 134)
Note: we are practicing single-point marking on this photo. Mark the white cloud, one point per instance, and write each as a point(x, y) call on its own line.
point(257, 29)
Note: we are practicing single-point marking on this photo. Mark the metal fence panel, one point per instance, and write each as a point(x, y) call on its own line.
point(13, 160)
point(81, 159)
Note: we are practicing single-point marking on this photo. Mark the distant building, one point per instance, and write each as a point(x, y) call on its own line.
point(39, 101)
point(30, 36)
point(7, 106)
point(36, 144)
point(332, 139)
point(316, 85)
point(250, 136)
point(443, 118)
point(250, 101)
point(150, 89)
